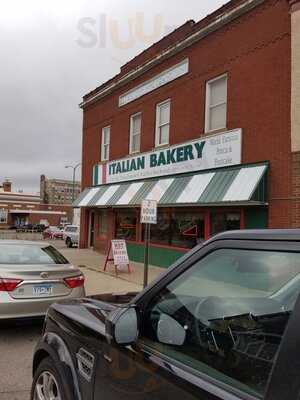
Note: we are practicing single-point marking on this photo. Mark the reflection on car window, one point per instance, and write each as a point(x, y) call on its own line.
point(29, 255)
point(233, 306)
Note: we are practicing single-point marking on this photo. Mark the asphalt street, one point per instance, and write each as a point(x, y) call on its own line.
point(17, 343)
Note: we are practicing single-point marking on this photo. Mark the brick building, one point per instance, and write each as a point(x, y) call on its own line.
point(206, 122)
point(58, 191)
point(19, 208)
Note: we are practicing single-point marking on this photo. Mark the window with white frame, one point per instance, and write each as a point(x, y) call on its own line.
point(135, 133)
point(105, 143)
point(163, 113)
point(3, 216)
point(216, 104)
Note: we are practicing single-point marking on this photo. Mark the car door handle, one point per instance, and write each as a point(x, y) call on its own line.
point(107, 358)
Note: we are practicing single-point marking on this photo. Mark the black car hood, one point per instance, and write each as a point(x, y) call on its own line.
point(91, 311)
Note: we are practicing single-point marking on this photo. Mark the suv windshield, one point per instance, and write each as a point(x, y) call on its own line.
point(71, 229)
point(243, 274)
point(30, 255)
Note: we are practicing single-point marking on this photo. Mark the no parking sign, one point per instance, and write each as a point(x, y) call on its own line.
point(149, 212)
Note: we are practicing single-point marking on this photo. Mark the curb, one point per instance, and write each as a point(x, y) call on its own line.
point(107, 274)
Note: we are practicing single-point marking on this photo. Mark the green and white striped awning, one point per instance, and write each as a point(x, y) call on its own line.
point(243, 184)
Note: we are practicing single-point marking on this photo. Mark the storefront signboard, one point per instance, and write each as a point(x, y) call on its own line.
point(149, 212)
point(209, 152)
point(120, 254)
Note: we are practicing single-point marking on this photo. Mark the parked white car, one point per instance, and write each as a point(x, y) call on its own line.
point(71, 235)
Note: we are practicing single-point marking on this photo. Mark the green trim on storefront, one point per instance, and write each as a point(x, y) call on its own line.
point(158, 256)
point(256, 218)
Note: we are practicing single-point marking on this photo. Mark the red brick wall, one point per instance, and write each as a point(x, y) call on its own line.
point(84, 226)
point(255, 52)
point(53, 219)
point(62, 208)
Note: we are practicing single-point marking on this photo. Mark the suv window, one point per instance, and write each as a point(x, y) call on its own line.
point(226, 315)
point(71, 229)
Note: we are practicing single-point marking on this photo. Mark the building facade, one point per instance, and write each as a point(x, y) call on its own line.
point(18, 208)
point(205, 122)
point(58, 191)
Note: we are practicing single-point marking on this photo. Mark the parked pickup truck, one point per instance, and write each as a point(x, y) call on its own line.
point(222, 323)
point(71, 235)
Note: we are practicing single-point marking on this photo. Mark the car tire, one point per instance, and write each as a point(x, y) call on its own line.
point(69, 243)
point(59, 376)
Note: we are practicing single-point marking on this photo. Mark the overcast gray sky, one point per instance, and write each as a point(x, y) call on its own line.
point(53, 52)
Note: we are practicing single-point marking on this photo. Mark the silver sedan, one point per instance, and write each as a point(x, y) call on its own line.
point(33, 276)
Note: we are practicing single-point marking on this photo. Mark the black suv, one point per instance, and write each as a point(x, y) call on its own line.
point(222, 323)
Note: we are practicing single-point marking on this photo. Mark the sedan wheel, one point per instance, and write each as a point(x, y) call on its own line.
point(46, 387)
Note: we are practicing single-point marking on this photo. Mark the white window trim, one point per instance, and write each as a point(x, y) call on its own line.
point(131, 133)
point(103, 158)
point(157, 126)
point(207, 103)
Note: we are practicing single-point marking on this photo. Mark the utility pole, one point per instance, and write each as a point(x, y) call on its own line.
point(74, 167)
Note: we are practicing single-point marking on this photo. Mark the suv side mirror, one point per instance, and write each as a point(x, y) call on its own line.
point(121, 326)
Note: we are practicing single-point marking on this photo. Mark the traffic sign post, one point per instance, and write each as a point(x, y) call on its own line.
point(148, 217)
point(146, 252)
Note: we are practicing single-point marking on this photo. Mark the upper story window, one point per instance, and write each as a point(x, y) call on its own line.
point(216, 104)
point(135, 133)
point(105, 143)
point(163, 113)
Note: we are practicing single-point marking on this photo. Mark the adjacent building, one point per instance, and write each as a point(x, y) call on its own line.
point(19, 208)
point(206, 122)
point(58, 191)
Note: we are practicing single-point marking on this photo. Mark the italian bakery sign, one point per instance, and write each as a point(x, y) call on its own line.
point(208, 153)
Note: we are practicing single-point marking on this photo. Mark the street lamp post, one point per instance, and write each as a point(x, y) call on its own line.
point(74, 167)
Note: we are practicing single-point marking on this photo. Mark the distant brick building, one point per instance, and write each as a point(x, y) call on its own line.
point(207, 122)
point(58, 191)
point(19, 208)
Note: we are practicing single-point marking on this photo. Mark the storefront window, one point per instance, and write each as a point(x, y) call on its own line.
point(103, 222)
point(126, 224)
point(160, 233)
point(221, 222)
point(187, 228)
point(178, 228)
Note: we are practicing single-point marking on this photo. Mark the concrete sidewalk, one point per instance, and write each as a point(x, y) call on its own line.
point(94, 261)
